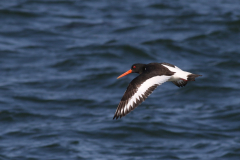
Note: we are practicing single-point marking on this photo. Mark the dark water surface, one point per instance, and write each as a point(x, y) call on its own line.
point(59, 60)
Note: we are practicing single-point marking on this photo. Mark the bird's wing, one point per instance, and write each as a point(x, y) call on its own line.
point(180, 83)
point(137, 92)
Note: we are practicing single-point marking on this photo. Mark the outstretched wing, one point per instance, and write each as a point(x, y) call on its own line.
point(137, 91)
point(180, 83)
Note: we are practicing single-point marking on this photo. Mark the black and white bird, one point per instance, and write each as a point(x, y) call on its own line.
point(151, 76)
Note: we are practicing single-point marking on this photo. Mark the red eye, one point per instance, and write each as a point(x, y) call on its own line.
point(134, 66)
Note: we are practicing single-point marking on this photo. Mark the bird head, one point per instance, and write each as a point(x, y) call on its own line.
point(136, 68)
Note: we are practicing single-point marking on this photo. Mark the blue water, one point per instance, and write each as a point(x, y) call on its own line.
point(59, 60)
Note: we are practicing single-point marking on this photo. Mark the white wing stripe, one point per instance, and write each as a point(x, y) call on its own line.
point(143, 88)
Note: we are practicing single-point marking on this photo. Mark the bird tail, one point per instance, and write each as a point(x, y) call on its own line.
point(191, 77)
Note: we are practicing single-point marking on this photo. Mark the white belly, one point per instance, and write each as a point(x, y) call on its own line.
point(179, 74)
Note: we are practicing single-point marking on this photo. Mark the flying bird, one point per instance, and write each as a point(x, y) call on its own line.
point(150, 77)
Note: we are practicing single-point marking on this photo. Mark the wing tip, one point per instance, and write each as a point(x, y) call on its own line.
point(180, 83)
point(116, 116)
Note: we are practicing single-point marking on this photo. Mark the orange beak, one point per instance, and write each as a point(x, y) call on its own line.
point(124, 74)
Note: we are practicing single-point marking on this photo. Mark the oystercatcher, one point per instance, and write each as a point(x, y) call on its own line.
point(151, 76)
